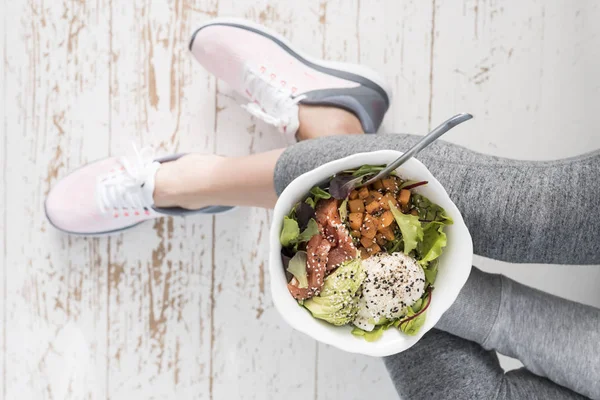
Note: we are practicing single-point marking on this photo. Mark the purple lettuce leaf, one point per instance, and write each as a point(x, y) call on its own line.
point(286, 256)
point(304, 213)
point(341, 186)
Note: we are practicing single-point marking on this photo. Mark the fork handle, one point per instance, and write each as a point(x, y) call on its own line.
point(426, 141)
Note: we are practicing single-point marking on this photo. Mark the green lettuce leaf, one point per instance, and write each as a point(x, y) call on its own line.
point(289, 232)
point(429, 211)
point(343, 210)
point(376, 333)
point(417, 306)
point(310, 202)
point(311, 229)
point(319, 194)
point(297, 267)
point(292, 213)
point(431, 271)
point(372, 336)
point(394, 246)
point(434, 240)
point(367, 170)
point(410, 226)
point(407, 183)
point(413, 326)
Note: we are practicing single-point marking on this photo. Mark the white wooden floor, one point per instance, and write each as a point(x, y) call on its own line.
point(181, 308)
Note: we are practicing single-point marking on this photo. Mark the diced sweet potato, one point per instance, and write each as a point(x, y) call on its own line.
point(373, 249)
point(377, 185)
point(356, 220)
point(355, 233)
point(373, 207)
point(363, 193)
point(353, 195)
point(363, 253)
point(368, 232)
point(369, 228)
point(356, 206)
point(388, 233)
point(375, 220)
point(385, 201)
point(380, 239)
point(404, 198)
point(376, 195)
point(367, 242)
point(390, 185)
point(386, 219)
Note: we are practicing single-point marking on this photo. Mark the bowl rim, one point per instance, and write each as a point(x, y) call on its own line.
point(314, 176)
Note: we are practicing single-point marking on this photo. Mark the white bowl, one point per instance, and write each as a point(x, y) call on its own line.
point(454, 266)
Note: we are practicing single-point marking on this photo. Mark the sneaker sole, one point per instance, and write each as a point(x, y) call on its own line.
point(352, 72)
point(117, 231)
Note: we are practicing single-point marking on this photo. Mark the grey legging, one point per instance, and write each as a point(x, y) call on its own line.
point(516, 211)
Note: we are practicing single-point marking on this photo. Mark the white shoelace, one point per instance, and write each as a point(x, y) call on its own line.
point(272, 99)
point(123, 189)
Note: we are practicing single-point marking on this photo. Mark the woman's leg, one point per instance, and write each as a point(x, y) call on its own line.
point(198, 180)
point(442, 366)
point(517, 211)
point(553, 337)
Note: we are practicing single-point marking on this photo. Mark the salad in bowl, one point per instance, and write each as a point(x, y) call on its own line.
point(362, 264)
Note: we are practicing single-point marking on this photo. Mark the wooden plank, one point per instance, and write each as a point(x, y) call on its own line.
point(160, 273)
point(252, 346)
point(3, 228)
point(395, 39)
point(527, 69)
point(55, 284)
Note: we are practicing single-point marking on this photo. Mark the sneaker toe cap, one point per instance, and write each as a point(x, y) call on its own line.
point(71, 204)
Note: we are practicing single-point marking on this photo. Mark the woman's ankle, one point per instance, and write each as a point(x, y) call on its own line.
point(319, 121)
point(187, 181)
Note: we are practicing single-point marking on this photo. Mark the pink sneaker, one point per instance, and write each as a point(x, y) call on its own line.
point(110, 195)
point(262, 66)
